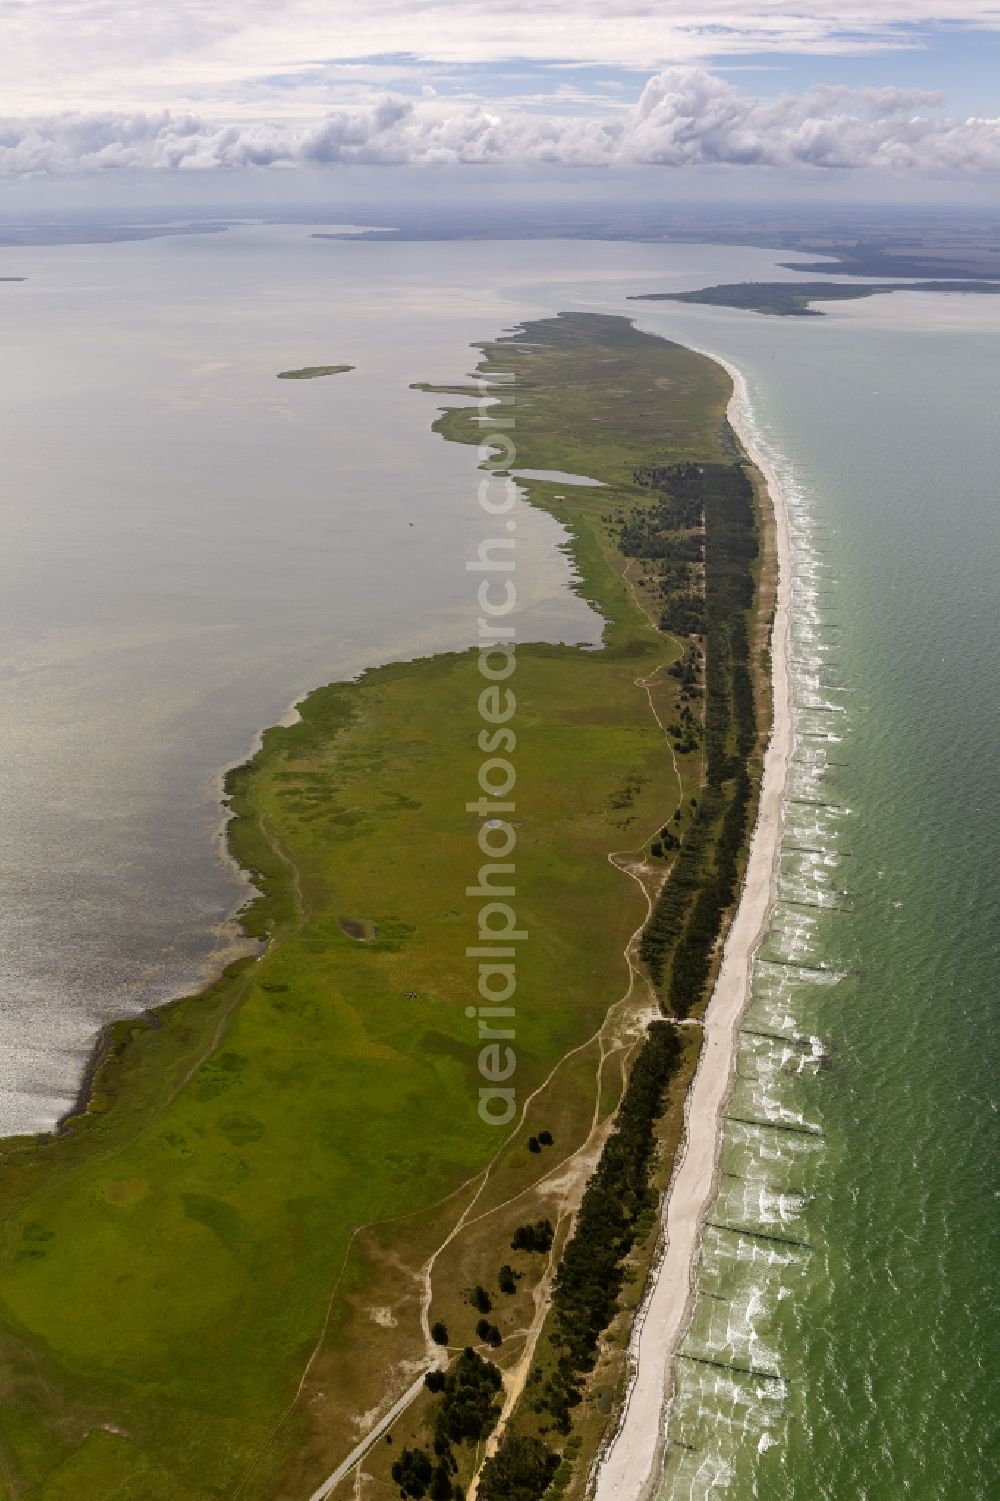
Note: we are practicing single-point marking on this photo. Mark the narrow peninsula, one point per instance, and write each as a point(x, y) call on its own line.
point(278, 1247)
point(794, 299)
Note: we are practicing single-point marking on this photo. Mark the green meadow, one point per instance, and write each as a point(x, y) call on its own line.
point(187, 1280)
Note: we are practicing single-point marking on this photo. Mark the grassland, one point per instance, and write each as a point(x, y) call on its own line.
point(794, 299)
point(314, 372)
point(213, 1278)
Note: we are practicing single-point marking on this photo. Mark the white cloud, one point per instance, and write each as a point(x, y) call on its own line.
point(684, 117)
point(146, 53)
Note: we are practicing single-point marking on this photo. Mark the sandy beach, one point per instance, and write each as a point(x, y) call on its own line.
point(631, 1465)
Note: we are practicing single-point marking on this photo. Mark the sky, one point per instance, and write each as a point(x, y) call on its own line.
point(773, 94)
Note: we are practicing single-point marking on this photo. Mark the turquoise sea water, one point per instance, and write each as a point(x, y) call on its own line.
point(847, 1287)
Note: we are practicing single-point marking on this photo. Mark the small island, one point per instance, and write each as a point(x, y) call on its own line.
point(313, 372)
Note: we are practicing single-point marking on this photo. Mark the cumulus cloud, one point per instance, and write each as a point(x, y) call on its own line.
point(690, 117)
point(685, 117)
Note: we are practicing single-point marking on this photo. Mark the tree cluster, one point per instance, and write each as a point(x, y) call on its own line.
point(467, 1412)
point(468, 1408)
point(679, 940)
point(521, 1470)
point(535, 1237)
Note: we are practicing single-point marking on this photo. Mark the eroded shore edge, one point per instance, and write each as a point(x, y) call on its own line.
point(631, 1465)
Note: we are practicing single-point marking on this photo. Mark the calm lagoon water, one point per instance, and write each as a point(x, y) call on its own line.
point(189, 546)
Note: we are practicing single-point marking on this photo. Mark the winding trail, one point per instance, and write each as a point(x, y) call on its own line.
point(632, 1461)
point(650, 880)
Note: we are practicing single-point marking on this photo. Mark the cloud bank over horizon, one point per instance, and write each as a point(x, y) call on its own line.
point(684, 117)
point(200, 85)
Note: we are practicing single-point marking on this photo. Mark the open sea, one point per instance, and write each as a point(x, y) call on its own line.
point(190, 545)
point(845, 1343)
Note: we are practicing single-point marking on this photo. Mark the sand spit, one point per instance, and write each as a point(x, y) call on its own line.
point(632, 1462)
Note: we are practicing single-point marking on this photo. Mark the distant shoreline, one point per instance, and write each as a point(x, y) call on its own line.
point(794, 299)
point(631, 1465)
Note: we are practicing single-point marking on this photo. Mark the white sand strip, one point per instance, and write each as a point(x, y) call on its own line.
point(632, 1463)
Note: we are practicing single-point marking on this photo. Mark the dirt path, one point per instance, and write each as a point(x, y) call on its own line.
point(373, 1435)
point(571, 1173)
point(583, 1162)
point(575, 1169)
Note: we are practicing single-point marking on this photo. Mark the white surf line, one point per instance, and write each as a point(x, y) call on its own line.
point(630, 1467)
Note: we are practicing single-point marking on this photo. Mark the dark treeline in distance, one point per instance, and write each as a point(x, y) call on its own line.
point(793, 299)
